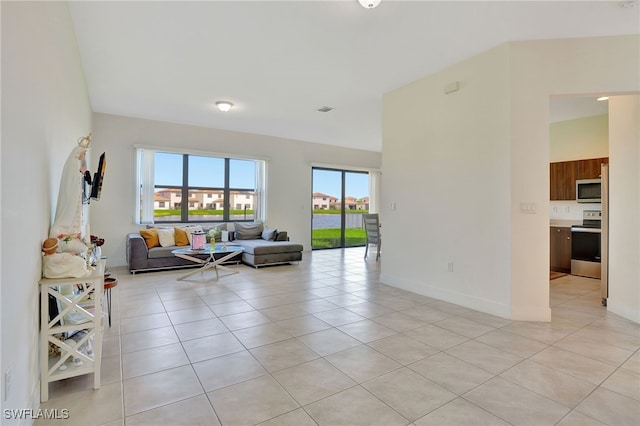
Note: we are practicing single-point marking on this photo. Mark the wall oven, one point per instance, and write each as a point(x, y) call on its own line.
point(586, 243)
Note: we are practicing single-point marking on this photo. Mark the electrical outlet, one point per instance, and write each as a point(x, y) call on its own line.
point(8, 384)
point(450, 267)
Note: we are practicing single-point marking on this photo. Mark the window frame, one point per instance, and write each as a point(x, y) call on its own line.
point(145, 182)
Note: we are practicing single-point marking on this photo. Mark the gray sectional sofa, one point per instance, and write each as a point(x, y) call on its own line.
point(262, 246)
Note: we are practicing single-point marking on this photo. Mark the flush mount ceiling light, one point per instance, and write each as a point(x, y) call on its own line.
point(224, 106)
point(325, 109)
point(369, 4)
point(602, 98)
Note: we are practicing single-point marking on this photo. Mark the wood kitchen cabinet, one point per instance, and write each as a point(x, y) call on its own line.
point(563, 180)
point(591, 169)
point(560, 239)
point(563, 175)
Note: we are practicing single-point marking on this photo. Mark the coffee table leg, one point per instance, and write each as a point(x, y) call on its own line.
point(192, 273)
point(215, 264)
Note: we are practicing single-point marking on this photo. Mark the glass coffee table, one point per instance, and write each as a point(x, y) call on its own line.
point(223, 252)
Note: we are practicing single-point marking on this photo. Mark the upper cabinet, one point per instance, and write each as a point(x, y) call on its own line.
point(563, 180)
point(563, 176)
point(590, 169)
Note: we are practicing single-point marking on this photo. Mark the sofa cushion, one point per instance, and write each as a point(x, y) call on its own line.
point(248, 231)
point(269, 234)
point(190, 229)
point(181, 237)
point(260, 246)
point(158, 252)
point(271, 259)
point(150, 237)
point(220, 227)
point(166, 237)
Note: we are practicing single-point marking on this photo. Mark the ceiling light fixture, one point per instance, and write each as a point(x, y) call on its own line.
point(603, 98)
point(325, 109)
point(224, 106)
point(369, 4)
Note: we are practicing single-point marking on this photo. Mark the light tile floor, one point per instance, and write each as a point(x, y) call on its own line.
point(323, 342)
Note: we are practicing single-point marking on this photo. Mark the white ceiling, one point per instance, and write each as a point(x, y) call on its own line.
point(279, 61)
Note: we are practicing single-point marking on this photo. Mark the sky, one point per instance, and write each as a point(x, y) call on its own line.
point(209, 172)
point(203, 171)
point(329, 182)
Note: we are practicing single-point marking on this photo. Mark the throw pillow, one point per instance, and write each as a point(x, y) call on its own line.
point(248, 231)
point(181, 237)
point(269, 234)
point(190, 230)
point(282, 236)
point(166, 237)
point(220, 227)
point(150, 237)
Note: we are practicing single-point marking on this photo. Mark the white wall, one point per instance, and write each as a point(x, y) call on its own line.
point(445, 165)
point(288, 172)
point(624, 207)
point(45, 109)
point(540, 70)
point(579, 139)
point(479, 156)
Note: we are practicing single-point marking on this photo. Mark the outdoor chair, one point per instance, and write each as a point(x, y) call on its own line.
point(371, 223)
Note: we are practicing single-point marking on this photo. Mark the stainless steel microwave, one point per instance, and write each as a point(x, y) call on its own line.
point(589, 190)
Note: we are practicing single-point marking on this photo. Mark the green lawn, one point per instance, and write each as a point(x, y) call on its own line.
point(209, 212)
point(338, 211)
point(203, 212)
point(327, 238)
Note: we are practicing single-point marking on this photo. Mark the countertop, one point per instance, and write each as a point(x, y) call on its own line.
point(565, 223)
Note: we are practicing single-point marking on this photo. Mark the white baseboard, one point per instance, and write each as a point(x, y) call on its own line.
point(471, 302)
point(623, 310)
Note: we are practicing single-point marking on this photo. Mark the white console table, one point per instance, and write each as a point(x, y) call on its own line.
point(76, 304)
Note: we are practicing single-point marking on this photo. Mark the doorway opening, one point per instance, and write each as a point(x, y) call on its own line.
point(338, 201)
point(578, 145)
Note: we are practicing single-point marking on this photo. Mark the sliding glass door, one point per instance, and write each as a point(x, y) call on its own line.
point(339, 199)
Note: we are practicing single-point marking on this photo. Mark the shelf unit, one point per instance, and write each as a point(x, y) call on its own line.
point(70, 305)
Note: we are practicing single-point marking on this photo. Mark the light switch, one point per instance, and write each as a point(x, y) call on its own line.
point(528, 207)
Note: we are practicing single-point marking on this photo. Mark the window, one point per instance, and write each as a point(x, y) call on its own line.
point(212, 186)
